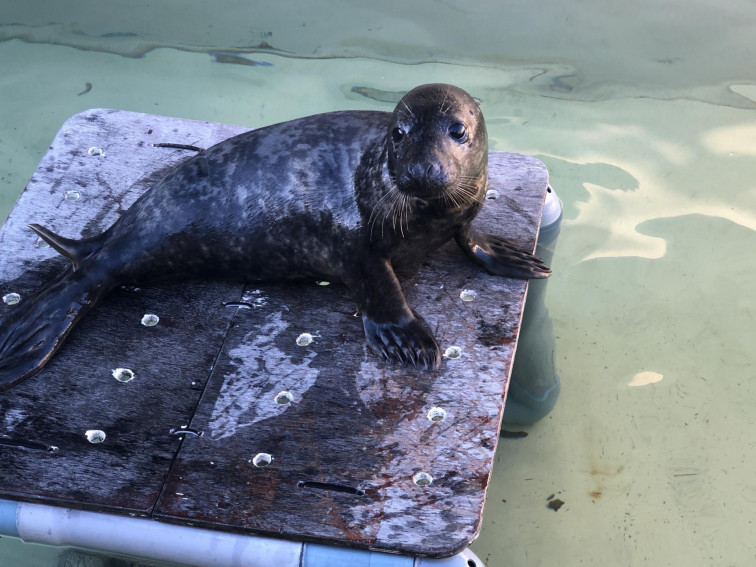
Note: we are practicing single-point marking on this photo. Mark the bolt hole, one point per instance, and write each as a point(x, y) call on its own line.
point(437, 414)
point(95, 151)
point(468, 294)
point(471, 563)
point(239, 304)
point(123, 374)
point(422, 479)
point(150, 320)
point(453, 352)
point(72, 196)
point(95, 435)
point(184, 430)
point(304, 339)
point(262, 460)
point(11, 298)
point(284, 398)
point(492, 195)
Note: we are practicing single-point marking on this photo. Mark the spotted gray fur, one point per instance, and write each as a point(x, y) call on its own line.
point(345, 196)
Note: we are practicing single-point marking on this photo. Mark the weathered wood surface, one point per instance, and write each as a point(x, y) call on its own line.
point(344, 451)
point(76, 392)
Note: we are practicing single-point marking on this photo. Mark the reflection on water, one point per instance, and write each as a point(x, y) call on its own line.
point(581, 50)
point(645, 378)
point(644, 114)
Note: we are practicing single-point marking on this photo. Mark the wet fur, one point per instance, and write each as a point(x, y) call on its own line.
point(333, 196)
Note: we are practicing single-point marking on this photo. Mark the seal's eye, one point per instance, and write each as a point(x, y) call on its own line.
point(397, 134)
point(458, 132)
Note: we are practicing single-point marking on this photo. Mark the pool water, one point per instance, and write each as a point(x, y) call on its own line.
point(644, 113)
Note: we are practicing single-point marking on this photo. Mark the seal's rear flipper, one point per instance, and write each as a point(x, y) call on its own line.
point(74, 250)
point(35, 328)
point(500, 257)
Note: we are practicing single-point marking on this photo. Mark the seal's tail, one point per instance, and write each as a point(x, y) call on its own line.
point(35, 328)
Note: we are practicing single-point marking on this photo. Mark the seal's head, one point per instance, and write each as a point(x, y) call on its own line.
point(438, 146)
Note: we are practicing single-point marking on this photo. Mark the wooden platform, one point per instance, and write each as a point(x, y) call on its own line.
point(182, 437)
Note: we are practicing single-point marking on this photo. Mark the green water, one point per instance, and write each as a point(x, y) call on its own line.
point(645, 114)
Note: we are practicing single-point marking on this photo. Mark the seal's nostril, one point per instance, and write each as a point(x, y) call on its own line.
point(426, 172)
point(418, 171)
point(435, 174)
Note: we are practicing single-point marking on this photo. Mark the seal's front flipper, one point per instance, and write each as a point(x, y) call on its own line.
point(35, 328)
point(391, 329)
point(499, 256)
point(407, 342)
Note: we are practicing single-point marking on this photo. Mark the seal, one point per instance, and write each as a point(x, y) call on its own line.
point(348, 196)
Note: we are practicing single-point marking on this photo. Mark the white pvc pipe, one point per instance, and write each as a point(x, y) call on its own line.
point(120, 535)
point(196, 547)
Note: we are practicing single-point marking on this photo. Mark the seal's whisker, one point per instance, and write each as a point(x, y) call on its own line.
point(407, 207)
point(463, 194)
point(454, 198)
point(396, 207)
point(404, 214)
point(396, 215)
point(408, 108)
point(374, 215)
point(441, 106)
point(400, 213)
point(477, 195)
point(393, 208)
point(389, 207)
point(468, 189)
point(381, 206)
point(446, 198)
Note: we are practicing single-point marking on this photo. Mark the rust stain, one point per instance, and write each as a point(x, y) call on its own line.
point(595, 471)
point(494, 334)
point(602, 474)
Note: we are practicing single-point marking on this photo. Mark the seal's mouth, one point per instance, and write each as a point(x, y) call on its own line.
point(435, 181)
point(458, 194)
